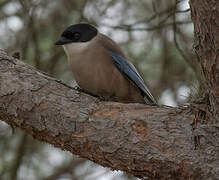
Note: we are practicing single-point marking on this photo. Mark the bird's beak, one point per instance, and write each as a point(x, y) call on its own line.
point(63, 41)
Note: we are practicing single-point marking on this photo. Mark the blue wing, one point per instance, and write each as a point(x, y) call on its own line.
point(131, 73)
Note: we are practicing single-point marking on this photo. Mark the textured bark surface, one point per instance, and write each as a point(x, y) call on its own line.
point(158, 142)
point(146, 141)
point(205, 15)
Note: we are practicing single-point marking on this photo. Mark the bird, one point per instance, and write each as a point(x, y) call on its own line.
point(100, 67)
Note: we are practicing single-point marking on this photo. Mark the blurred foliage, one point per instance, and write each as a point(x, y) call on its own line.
point(156, 35)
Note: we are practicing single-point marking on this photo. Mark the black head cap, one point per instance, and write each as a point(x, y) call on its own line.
point(77, 33)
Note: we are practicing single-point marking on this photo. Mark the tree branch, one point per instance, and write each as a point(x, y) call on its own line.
point(146, 141)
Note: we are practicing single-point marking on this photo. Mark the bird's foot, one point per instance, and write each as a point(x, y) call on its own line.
point(77, 88)
point(101, 98)
point(109, 98)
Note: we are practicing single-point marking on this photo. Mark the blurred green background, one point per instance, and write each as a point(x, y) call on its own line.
point(156, 36)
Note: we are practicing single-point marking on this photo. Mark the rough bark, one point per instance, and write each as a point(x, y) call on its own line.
point(157, 142)
point(205, 15)
point(146, 141)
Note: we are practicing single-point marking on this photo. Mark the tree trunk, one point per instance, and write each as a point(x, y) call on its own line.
point(146, 141)
point(205, 15)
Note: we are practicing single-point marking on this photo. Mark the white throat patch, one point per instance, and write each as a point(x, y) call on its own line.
point(75, 48)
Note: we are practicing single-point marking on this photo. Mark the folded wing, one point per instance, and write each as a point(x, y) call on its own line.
point(131, 73)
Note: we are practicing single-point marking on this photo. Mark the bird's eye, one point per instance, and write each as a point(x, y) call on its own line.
point(77, 36)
